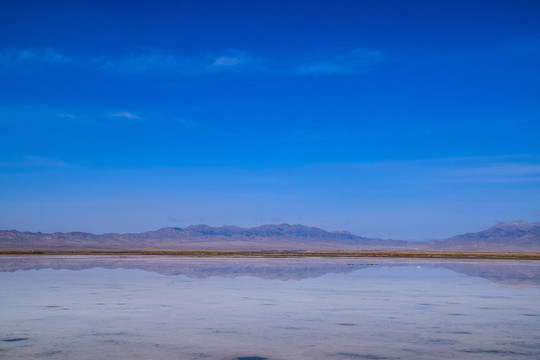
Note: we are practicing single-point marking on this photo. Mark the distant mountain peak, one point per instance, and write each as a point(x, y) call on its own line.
point(517, 234)
point(515, 225)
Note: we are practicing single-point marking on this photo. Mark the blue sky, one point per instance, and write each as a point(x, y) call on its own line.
point(409, 120)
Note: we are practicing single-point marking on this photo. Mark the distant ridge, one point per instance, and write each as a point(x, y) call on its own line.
point(510, 235)
point(517, 236)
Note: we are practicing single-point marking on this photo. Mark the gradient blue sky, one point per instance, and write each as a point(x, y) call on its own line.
point(402, 119)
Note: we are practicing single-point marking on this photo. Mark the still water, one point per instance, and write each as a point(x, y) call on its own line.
point(159, 307)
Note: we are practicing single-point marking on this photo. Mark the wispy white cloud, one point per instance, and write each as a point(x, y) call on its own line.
point(238, 61)
point(514, 172)
point(464, 170)
point(443, 174)
point(67, 116)
point(161, 63)
point(31, 114)
point(357, 61)
point(31, 58)
point(126, 115)
point(231, 59)
point(227, 61)
point(13, 115)
point(36, 162)
point(45, 161)
point(150, 63)
point(192, 124)
point(157, 62)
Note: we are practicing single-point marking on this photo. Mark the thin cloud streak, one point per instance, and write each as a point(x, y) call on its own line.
point(192, 124)
point(498, 173)
point(150, 63)
point(443, 172)
point(36, 162)
point(30, 58)
point(355, 62)
point(126, 115)
point(358, 61)
point(155, 62)
point(236, 61)
point(227, 61)
point(161, 63)
point(67, 116)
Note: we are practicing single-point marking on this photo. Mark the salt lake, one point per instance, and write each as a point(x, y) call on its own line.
point(164, 307)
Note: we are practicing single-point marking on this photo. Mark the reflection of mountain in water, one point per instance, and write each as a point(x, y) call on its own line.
point(516, 274)
point(270, 269)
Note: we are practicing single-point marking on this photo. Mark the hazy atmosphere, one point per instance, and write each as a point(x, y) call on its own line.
point(391, 119)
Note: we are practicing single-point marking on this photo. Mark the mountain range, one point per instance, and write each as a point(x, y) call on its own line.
point(514, 236)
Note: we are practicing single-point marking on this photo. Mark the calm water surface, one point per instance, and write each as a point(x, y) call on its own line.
point(104, 307)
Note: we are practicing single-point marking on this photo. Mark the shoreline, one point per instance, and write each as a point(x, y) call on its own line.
point(286, 254)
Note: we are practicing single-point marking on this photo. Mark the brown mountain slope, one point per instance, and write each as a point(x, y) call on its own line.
point(515, 236)
point(505, 236)
point(198, 237)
